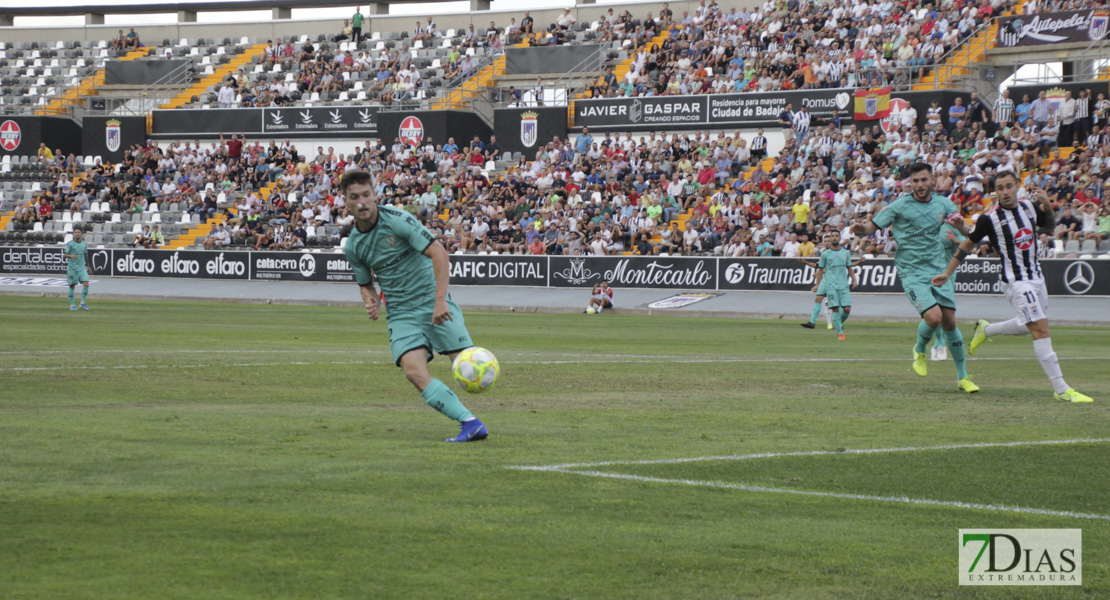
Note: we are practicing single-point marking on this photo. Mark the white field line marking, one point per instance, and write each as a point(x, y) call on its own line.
point(898, 499)
point(621, 357)
point(675, 461)
point(569, 469)
point(601, 360)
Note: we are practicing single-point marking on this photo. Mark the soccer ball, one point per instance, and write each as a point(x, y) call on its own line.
point(591, 311)
point(475, 370)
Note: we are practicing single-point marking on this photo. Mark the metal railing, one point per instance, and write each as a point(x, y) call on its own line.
point(473, 99)
point(586, 68)
point(152, 96)
point(947, 69)
point(1091, 63)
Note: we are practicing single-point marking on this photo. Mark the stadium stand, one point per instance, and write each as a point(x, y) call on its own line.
point(695, 193)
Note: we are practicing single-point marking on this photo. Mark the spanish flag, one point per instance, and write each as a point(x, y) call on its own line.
point(872, 104)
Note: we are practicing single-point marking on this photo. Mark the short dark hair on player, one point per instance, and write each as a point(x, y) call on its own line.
point(355, 178)
point(1006, 174)
point(918, 167)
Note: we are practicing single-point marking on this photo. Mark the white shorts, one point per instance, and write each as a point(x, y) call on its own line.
point(1029, 299)
point(603, 298)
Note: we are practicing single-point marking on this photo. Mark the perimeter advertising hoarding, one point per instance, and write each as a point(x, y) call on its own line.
point(1063, 277)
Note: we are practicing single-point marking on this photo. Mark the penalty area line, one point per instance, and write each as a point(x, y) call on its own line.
point(841, 496)
point(674, 461)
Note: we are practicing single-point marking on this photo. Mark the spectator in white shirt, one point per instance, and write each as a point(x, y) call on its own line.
point(226, 96)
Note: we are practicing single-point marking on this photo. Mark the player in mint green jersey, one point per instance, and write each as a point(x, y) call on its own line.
point(413, 271)
point(76, 273)
point(950, 238)
point(822, 299)
point(834, 271)
point(915, 220)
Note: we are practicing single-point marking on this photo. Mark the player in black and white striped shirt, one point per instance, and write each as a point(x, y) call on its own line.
point(1012, 231)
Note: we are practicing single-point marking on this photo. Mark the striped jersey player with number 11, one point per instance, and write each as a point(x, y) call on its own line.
point(915, 220)
point(413, 271)
point(1011, 229)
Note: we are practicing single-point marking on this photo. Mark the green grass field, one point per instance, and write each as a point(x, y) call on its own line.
point(186, 450)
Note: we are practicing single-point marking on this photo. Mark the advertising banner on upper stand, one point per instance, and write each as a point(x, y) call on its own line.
point(303, 121)
point(328, 120)
point(20, 135)
point(1072, 26)
point(713, 110)
point(111, 137)
point(529, 129)
point(1063, 277)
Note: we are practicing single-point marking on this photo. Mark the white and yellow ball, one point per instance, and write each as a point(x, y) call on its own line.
point(475, 370)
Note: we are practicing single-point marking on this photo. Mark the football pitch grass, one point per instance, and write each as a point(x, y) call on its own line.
point(187, 450)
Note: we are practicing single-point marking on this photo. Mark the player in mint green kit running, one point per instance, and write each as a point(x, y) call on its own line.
point(915, 220)
point(822, 295)
point(950, 238)
point(834, 270)
point(76, 273)
point(413, 271)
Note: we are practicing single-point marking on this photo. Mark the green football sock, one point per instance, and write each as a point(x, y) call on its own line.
point(838, 320)
point(443, 399)
point(71, 296)
point(84, 294)
point(940, 339)
point(924, 336)
point(956, 348)
point(844, 314)
point(816, 311)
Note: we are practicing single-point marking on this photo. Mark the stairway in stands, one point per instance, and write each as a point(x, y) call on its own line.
point(684, 216)
point(461, 96)
point(199, 232)
point(621, 69)
point(70, 97)
point(970, 52)
point(217, 76)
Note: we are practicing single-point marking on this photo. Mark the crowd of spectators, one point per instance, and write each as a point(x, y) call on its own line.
point(385, 75)
point(795, 45)
point(702, 193)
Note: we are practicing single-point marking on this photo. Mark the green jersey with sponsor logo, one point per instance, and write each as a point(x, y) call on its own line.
point(917, 229)
point(76, 265)
point(836, 264)
point(394, 251)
